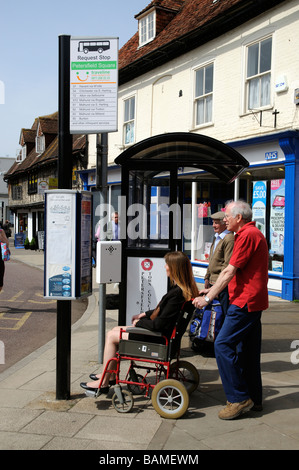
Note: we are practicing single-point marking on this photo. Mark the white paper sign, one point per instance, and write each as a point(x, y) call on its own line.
point(60, 244)
point(146, 285)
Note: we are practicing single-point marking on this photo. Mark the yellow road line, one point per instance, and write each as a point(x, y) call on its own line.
point(16, 296)
point(20, 321)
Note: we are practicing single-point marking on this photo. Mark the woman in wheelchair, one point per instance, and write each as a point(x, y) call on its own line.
point(161, 319)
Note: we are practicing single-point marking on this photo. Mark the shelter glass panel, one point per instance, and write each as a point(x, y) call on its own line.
point(151, 219)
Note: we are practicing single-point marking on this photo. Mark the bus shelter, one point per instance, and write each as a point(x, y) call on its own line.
point(156, 214)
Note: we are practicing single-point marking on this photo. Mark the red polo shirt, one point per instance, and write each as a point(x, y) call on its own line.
point(250, 256)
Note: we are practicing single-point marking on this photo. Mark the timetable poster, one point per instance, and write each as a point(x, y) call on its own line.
point(85, 248)
point(60, 244)
point(93, 85)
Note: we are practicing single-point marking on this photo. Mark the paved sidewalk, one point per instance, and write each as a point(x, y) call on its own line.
point(31, 418)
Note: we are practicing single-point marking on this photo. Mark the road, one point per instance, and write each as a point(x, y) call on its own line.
point(27, 319)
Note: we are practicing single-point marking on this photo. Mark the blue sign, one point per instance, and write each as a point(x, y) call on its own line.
point(271, 155)
point(259, 199)
point(19, 240)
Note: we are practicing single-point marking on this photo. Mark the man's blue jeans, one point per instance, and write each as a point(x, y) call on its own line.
point(237, 351)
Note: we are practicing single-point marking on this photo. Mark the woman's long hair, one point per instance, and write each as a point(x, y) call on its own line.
point(180, 273)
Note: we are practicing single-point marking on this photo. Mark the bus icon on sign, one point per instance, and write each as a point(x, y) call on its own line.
point(92, 46)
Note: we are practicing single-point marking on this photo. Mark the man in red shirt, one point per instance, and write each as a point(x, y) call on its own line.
point(238, 344)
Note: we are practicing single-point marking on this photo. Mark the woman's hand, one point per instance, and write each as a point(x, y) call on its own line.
point(135, 318)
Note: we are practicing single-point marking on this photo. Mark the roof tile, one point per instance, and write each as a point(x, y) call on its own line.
point(191, 15)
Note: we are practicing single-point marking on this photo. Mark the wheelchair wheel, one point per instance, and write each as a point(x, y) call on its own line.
point(170, 399)
point(186, 373)
point(127, 404)
point(136, 389)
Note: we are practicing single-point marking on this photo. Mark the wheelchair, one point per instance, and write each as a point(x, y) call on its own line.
point(167, 383)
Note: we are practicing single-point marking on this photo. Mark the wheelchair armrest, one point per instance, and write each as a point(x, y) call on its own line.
point(142, 331)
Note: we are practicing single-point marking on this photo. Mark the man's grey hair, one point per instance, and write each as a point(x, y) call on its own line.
point(241, 207)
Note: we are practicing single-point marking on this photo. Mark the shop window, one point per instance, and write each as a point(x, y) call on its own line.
point(211, 197)
point(204, 94)
point(258, 74)
point(266, 191)
point(22, 222)
point(129, 121)
point(277, 224)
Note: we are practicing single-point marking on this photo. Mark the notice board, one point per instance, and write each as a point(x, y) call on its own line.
point(67, 273)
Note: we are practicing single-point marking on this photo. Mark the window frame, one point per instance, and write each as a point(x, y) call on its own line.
point(22, 154)
point(32, 183)
point(208, 120)
point(144, 23)
point(16, 191)
point(258, 76)
point(40, 144)
point(129, 121)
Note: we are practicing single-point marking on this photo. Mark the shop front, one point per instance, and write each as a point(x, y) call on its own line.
point(269, 185)
point(29, 223)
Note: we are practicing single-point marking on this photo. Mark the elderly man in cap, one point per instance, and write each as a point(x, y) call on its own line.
point(220, 254)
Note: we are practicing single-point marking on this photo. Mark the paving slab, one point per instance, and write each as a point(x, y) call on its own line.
point(32, 418)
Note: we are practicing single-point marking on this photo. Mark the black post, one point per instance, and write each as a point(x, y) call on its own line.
point(102, 158)
point(63, 348)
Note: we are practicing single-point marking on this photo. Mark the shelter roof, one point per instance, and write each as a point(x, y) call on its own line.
point(193, 150)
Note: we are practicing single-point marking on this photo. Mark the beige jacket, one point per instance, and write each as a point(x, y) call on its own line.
point(220, 258)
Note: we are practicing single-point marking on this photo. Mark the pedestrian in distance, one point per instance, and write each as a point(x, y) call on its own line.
point(238, 344)
point(113, 227)
point(3, 239)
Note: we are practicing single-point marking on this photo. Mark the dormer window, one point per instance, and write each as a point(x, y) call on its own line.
point(19, 158)
point(40, 144)
point(147, 28)
point(23, 153)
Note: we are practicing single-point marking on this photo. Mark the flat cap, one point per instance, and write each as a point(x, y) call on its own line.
point(218, 215)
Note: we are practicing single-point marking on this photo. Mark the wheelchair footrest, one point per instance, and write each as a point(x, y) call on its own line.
point(143, 349)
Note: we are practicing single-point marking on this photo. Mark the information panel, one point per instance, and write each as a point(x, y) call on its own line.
point(68, 270)
point(60, 244)
point(86, 237)
point(93, 85)
point(146, 285)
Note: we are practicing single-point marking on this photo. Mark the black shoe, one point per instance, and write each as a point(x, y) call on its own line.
point(257, 407)
point(94, 377)
point(103, 390)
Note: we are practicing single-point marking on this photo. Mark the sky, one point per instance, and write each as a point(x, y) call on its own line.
point(29, 32)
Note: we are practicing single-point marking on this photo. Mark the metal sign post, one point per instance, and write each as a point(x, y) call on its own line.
point(93, 110)
point(63, 348)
